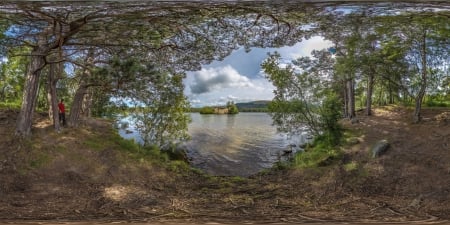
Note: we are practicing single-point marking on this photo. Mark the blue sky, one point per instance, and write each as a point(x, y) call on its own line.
point(239, 77)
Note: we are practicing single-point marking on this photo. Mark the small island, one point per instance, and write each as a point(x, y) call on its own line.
point(230, 108)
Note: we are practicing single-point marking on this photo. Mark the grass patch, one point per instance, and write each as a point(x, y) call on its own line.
point(316, 157)
point(61, 148)
point(10, 105)
point(95, 143)
point(126, 145)
point(178, 166)
point(148, 154)
point(324, 151)
point(40, 160)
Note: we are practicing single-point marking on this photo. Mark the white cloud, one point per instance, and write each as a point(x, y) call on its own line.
point(261, 89)
point(232, 98)
point(239, 77)
point(305, 47)
point(213, 79)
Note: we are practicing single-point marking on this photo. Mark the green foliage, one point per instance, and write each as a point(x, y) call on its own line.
point(157, 96)
point(12, 77)
point(10, 105)
point(232, 108)
point(162, 121)
point(322, 152)
point(207, 110)
point(151, 153)
point(330, 114)
point(304, 99)
point(127, 144)
point(438, 100)
point(101, 105)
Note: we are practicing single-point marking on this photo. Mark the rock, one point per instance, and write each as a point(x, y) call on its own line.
point(287, 152)
point(354, 120)
point(380, 148)
point(353, 141)
point(128, 131)
point(443, 118)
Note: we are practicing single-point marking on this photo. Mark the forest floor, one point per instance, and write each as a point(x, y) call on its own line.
point(84, 174)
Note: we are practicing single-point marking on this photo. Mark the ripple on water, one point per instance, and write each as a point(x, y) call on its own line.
point(233, 145)
point(239, 145)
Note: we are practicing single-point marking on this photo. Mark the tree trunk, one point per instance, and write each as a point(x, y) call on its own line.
point(75, 110)
point(351, 113)
point(77, 104)
point(30, 93)
point(370, 82)
point(344, 90)
point(87, 103)
point(391, 93)
point(419, 98)
point(52, 97)
point(37, 62)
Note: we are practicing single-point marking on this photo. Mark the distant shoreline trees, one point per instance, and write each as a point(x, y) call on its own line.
point(230, 108)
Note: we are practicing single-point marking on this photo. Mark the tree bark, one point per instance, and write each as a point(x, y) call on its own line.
point(87, 103)
point(75, 110)
point(344, 90)
point(77, 105)
point(31, 88)
point(54, 75)
point(351, 112)
point(370, 81)
point(419, 98)
point(37, 62)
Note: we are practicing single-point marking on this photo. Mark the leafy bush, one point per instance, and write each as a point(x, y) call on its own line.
point(321, 153)
point(207, 110)
point(10, 105)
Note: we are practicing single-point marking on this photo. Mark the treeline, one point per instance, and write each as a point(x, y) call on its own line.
point(229, 108)
point(254, 106)
point(211, 110)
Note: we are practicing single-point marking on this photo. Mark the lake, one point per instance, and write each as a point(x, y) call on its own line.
point(235, 145)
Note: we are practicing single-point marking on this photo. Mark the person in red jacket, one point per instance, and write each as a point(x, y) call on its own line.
point(62, 112)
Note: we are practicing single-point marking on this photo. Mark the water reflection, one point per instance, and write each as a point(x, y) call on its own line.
point(231, 145)
point(242, 144)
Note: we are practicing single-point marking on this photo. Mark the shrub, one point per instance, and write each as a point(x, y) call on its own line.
point(207, 110)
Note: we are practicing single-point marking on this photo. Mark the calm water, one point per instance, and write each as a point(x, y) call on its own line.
point(234, 145)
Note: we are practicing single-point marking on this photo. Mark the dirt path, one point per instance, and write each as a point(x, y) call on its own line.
point(210, 223)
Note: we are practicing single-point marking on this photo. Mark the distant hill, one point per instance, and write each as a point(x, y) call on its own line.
point(254, 106)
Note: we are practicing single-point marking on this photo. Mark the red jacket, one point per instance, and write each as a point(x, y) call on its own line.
point(61, 107)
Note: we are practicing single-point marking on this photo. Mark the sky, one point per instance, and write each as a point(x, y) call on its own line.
point(239, 76)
